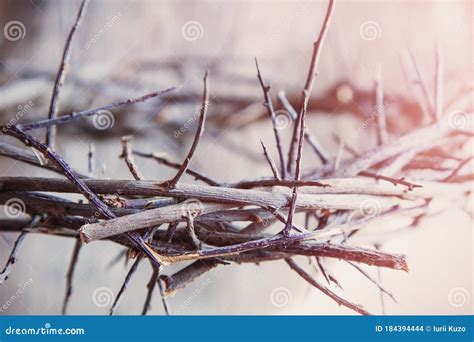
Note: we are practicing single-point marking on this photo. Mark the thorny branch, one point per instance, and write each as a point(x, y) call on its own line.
point(61, 76)
point(130, 213)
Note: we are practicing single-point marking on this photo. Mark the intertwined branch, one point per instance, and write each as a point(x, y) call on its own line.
point(171, 221)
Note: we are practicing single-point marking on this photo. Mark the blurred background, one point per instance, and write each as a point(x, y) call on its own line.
point(125, 49)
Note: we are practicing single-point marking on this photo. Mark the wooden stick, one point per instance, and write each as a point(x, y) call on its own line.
point(304, 106)
point(70, 274)
point(61, 76)
point(271, 112)
point(128, 158)
point(299, 127)
point(160, 158)
point(270, 161)
point(90, 112)
point(200, 130)
point(12, 258)
point(124, 286)
point(339, 300)
point(310, 138)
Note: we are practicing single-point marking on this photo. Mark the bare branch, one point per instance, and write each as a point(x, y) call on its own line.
point(61, 76)
point(128, 158)
point(70, 274)
point(200, 130)
point(12, 258)
point(304, 106)
point(123, 288)
point(80, 115)
point(341, 301)
point(271, 112)
point(78, 183)
point(365, 274)
point(312, 141)
point(160, 158)
point(299, 128)
point(270, 161)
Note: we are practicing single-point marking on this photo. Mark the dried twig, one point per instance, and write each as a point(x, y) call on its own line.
point(123, 288)
point(61, 76)
point(128, 158)
point(270, 161)
point(160, 158)
point(304, 106)
point(299, 128)
point(90, 112)
point(12, 258)
point(365, 274)
point(341, 301)
point(70, 274)
point(200, 130)
point(271, 112)
point(78, 183)
point(312, 141)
